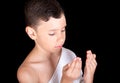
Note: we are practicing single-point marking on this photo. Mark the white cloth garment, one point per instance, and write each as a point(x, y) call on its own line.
point(66, 57)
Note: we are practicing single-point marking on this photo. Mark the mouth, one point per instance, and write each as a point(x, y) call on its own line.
point(58, 46)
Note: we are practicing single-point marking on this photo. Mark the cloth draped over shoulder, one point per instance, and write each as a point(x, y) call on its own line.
point(66, 57)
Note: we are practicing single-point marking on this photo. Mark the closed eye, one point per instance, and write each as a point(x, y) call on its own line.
point(51, 34)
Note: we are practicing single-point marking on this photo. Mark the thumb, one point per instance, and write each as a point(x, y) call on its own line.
point(66, 67)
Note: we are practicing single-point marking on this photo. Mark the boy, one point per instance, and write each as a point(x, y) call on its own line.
point(49, 61)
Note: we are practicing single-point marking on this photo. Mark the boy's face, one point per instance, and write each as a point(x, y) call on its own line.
point(51, 35)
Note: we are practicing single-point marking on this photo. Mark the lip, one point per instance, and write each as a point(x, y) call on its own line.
point(58, 46)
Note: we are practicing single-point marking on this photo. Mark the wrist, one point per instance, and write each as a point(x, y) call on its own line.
point(63, 80)
point(88, 80)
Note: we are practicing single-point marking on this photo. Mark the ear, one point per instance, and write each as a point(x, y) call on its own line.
point(31, 32)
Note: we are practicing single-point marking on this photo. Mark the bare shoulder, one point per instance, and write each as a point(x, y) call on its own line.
point(25, 74)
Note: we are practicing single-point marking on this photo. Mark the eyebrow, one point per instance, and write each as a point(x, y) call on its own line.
point(57, 29)
point(53, 29)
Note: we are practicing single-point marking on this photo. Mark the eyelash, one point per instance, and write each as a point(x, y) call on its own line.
point(54, 33)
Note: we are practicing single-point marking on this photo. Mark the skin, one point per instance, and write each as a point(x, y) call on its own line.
point(41, 62)
point(72, 70)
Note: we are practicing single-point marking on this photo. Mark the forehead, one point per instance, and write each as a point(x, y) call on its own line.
point(53, 23)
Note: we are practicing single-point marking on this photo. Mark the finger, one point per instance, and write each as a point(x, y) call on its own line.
point(93, 59)
point(88, 54)
point(91, 63)
point(94, 62)
point(94, 55)
point(72, 65)
point(89, 51)
point(77, 67)
point(78, 63)
point(66, 67)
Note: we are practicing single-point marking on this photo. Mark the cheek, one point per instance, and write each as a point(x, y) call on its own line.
point(64, 36)
point(53, 39)
point(50, 39)
point(64, 39)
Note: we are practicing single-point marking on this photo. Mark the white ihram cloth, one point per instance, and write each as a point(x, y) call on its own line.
point(66, 57)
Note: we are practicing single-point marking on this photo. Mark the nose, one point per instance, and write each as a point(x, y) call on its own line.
point(61, 38)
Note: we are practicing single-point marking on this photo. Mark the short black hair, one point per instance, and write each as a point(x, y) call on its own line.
point(36, 10)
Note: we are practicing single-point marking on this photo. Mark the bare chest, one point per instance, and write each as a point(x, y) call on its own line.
point(45, 72)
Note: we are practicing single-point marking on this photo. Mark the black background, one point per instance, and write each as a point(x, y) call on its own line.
point(90, 25)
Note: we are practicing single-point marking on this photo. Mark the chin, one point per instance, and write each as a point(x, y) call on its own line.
point(57, 49)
